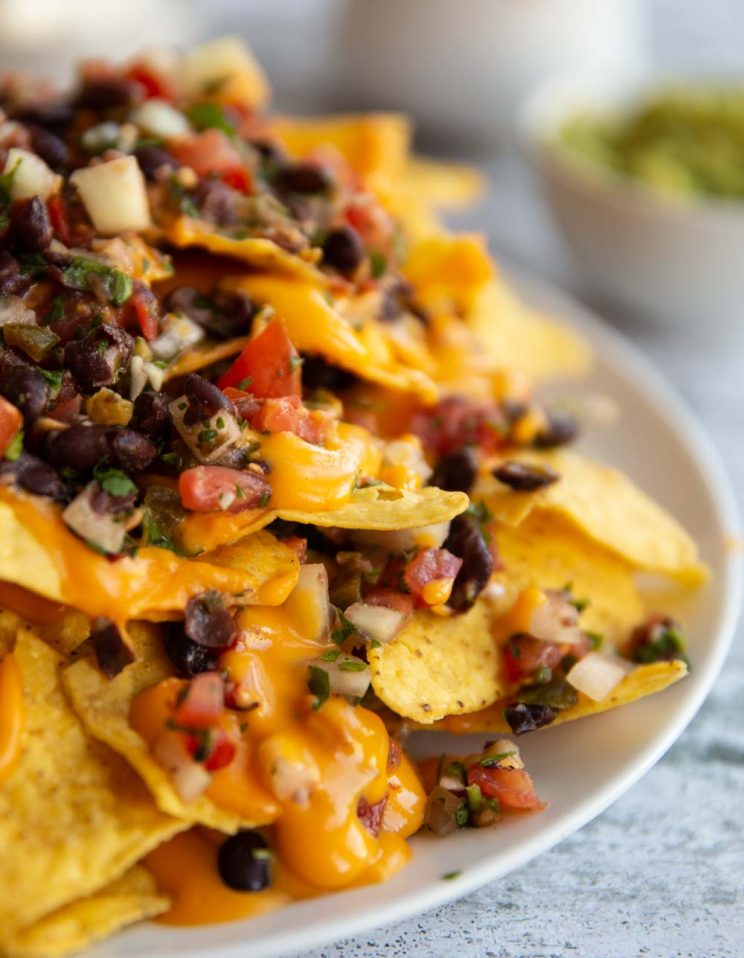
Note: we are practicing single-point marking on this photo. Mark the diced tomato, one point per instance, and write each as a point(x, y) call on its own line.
point(155, 84)
point(430, 565)
point(371, 221)
point(11, 421)
point(58, 217)
point(222, 750)
point(216, 488)
point(146, 309)
point(203, 704)
point(207, 152)
point(246, 403)
point(268, 366)
point(523, 655)
point(456, 422)
point(513, 787)
point(287, 414)
point(239, 178)
point(390, 598)
point(67, 411)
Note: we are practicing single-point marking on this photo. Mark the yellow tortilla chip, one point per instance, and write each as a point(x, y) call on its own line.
point(205, 354)
point(449, 186)
point(380, 507)
point(608, 508)
point(642, 681)
point(448, 271)
point(256, 251)
point(315, 326)
point(134, 897)
point(439, 666)
point(39, 553)
point(104, 704)
point(513, 336)
point(73, 814)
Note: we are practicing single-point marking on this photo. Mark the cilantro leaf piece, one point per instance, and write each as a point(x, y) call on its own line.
point(319, 683)
point(113, 481)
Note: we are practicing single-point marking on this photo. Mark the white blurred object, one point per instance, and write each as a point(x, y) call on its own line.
point(675, 260)
point(49, 36)
point(461, 66)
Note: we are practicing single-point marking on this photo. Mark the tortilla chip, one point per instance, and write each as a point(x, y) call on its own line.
point(547, 551)
point(372, 507)
point(134, 897)
point(316, 327)
point(39, 553)
point(439, 666)
point(607, 508)
point(205, 354)
point(256, 251)
point(642, 681)
point(447, 186)
point(73, 815)
point(104, 704)
point(448, 271)
point(514, 336)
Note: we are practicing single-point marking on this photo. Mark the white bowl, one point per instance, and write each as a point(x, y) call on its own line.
point(681, 261)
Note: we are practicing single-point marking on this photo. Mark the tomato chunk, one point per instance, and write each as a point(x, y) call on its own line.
point(207, 152)
point(269, 366)
point(155, 84)
point(399, 601)
point(10, 422)
point(216, 488)
point(203, 704)
point(512, 787)
point(458, 421)
point(147, 310)
point(430, 565)
point(523, 655)
point(287, 414)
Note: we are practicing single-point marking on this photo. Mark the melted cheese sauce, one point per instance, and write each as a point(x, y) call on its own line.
point(300, 771)
point(11, 714)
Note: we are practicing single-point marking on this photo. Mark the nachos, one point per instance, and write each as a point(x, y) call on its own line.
point(277, 487)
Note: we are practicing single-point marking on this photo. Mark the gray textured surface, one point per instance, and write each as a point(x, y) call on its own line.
point(661, 873)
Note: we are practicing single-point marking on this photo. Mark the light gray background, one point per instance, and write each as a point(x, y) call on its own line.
point(661, 873)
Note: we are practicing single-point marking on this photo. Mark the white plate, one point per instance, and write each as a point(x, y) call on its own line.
point(581, 767)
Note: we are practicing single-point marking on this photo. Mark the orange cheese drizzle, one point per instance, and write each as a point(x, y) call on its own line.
point(319, 840)
point(11, 714)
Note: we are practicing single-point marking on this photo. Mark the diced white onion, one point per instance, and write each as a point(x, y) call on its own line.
point(408, 453)
point(401, 540)
point(180, 333)
point(598, 675)
point(160, 119)
point(506, 748)
point(309, 601)
point(351, 682)
point(222, 429)
point(289, 768)
point(137, 376)
point(189, 778)
point(12, 310)
point(556, 620)
point(441, 806)
point(32, 177)
point(99, 528)
point(114, 194)
point(377, 622)
point(225, 62)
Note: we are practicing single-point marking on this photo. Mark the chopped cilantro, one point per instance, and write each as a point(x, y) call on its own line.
point(54, 378)
point(114, 481)
point(344, 629)
point(375, 644)
point(210, 116)
point(450, 876)
point(595, 640)
point(245, 383)
point(117, 286)
point(377, 263)
point(352, 665)
point(14, 447)
point(319, 684)
point(331, 655)
point(462, 815)
point(490, 760)
point(667, 643)
point(265, 500)
point(6, 181)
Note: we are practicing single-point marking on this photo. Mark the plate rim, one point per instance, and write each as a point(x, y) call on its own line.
point(623, 355)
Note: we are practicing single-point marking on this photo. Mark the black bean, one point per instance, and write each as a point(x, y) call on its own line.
point(24, 386)
point(34, 475)
point(560, 429)
point(188, 657)
point(244, 862)
point(109, 92)
point(54, 115)
point(305, 178)
point(456, 471)
point(236, 457)
point(13, 282)
point(78, 447)
point(29, 227)
point(269, 151)
point(205, 399)
point(51, 148)
point(524, 477)
point(151, 415)
point(155, 162)
point(466, 540)
point(317, 373)
point(343, 249)
point(97, 359)
point(113, 652)
point(526, 718)
point(207, 622)
point(396, 297)
point(223, 313)
point(219, 203)
point(130, 450)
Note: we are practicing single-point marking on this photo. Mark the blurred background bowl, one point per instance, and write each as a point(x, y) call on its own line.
point(677, 260)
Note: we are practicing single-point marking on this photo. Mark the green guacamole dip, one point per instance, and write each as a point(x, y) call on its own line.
point(685, 140)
